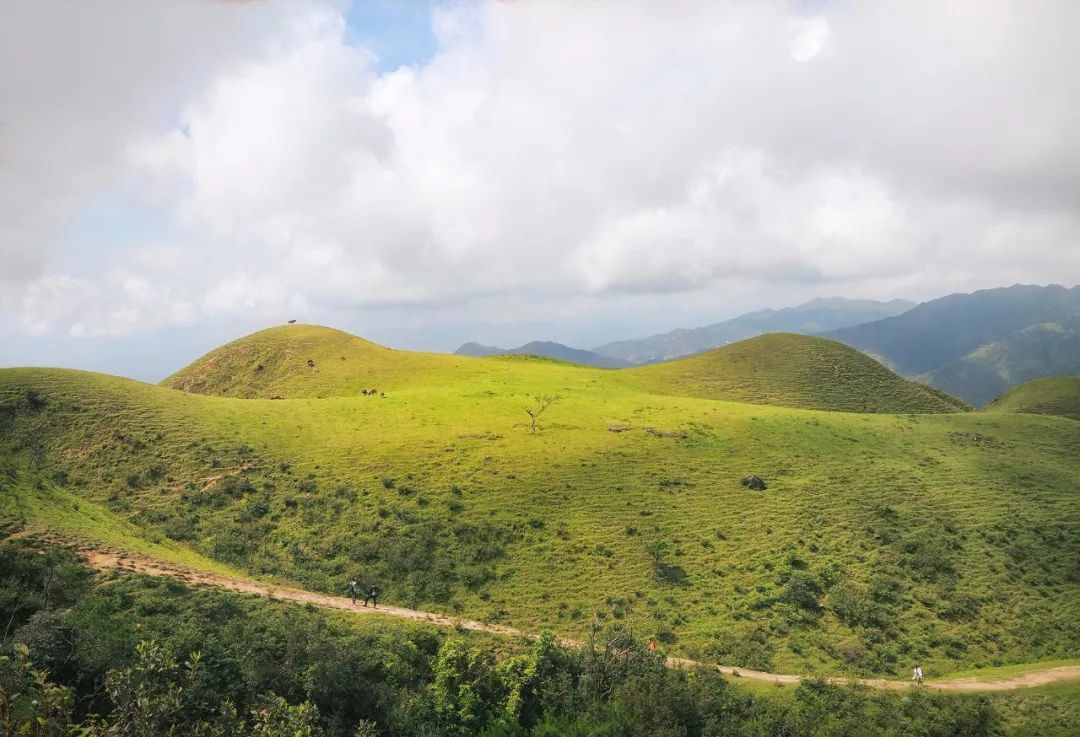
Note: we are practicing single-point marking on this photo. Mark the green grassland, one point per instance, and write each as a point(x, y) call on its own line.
point(793, 371)
point(315, 361)
point(1055, 395)
point(945, 537)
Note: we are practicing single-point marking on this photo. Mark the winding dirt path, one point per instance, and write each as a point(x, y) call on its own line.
point(106, 560)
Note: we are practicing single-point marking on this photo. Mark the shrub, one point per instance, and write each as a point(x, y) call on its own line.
point(802, 590)
point(180, 527)
point(35, 400)
point(750, 650)
point(666, 635)
point(851, 603)
point(234, 486)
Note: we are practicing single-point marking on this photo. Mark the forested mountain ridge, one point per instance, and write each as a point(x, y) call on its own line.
point(977, 345)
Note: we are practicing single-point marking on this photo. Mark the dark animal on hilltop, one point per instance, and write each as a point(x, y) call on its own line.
point(292, 322)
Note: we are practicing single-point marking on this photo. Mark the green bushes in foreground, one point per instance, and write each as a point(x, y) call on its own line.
point(134, 656)
point(472, 694)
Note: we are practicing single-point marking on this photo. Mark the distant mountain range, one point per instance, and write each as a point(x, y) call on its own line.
point(977, 345)
point(813, 317)
point(546, 349)
point(1037, 351)
point(973, 346)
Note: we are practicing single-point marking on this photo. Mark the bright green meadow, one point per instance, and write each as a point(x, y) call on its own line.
point(898, 529)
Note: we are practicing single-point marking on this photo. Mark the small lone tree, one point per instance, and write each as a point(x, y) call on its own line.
point(540, 404)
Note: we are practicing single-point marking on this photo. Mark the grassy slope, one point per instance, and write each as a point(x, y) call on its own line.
point(794, 371)
point(274, 363)
point(1056, 395)
point(955, 532)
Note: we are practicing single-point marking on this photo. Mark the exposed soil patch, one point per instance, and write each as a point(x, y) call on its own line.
point(666, 433)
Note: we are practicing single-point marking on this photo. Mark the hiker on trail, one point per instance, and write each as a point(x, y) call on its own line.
point(353, 591)
point(916, 675)
point(373, 596)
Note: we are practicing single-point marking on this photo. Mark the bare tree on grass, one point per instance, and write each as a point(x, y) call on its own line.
point(540, 404)
point(612, 655)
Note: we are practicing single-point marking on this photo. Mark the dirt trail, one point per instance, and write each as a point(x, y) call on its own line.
point(104, 560)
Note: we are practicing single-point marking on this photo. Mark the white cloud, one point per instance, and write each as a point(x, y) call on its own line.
point(565, 151)
point(56, 299)
point(808, 37)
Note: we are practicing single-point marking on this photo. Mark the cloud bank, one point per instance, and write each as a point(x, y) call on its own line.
point(599, 155)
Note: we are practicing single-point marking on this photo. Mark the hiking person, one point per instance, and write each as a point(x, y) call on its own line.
point(917, 675)
point(372, 596)
point(353, 590)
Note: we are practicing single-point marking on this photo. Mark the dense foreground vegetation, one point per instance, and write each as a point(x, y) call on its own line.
point(881, 539)
point(148, 656)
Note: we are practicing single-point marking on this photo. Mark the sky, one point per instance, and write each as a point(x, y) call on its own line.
point(176, 174)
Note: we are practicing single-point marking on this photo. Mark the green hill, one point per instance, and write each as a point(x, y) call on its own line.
point(793, 371)
point(810, 318)
point(881, 537)
point(1056, 395)
point(309, 361)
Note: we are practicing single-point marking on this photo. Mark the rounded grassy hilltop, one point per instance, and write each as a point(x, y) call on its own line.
point(793, 371)
point(307, 361)
point(780, 369)
point(1054, 395)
